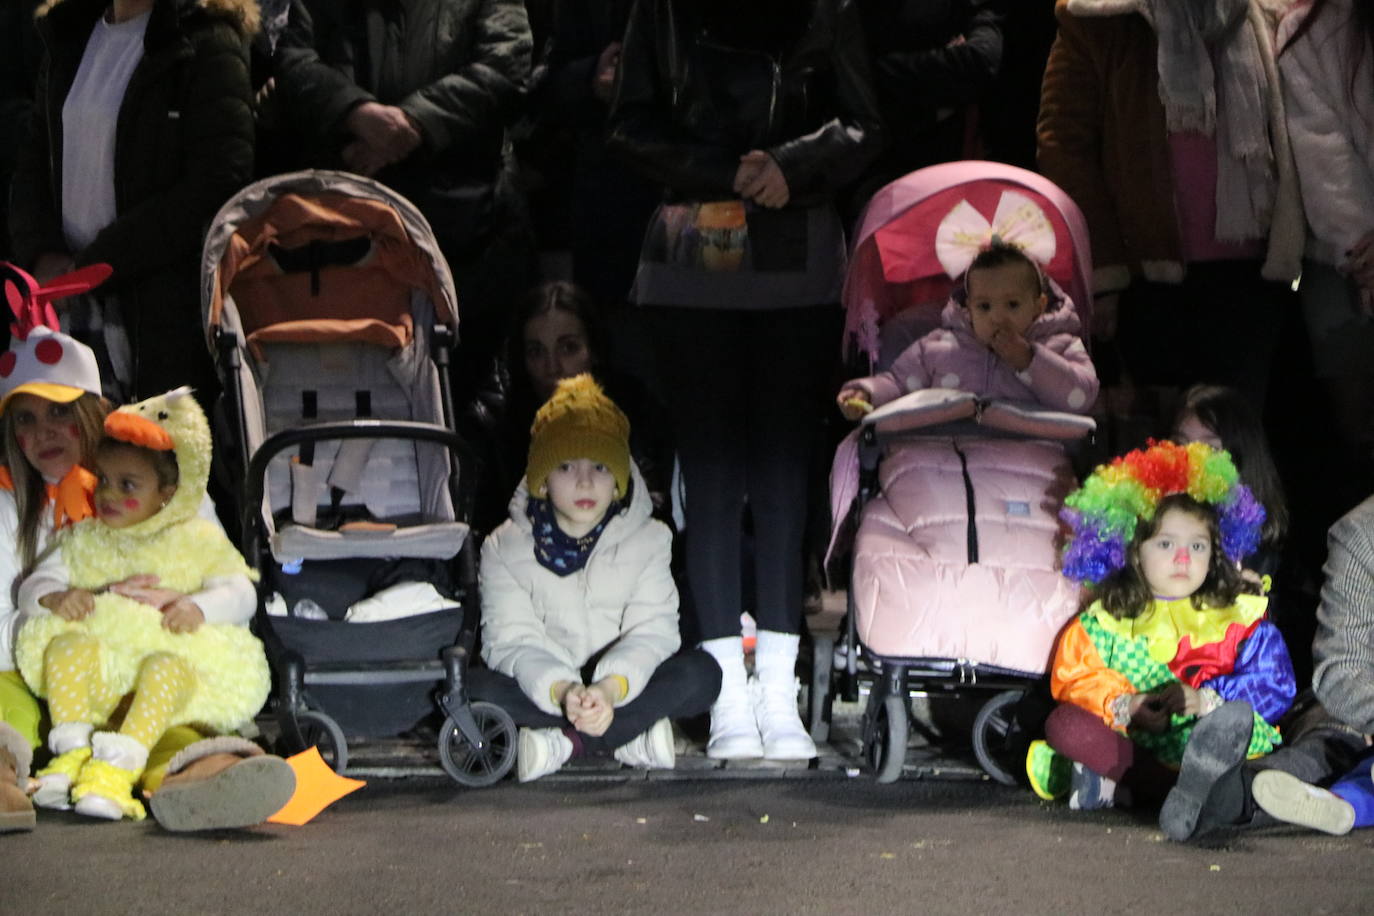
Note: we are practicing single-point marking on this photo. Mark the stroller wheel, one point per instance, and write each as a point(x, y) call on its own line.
point(319, 730)
point(999, 741)
point(887, 749)
point(473, 766)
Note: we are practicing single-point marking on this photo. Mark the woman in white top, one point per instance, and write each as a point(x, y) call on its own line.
point(142, 128)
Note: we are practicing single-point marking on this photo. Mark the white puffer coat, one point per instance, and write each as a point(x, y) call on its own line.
point(541, 628)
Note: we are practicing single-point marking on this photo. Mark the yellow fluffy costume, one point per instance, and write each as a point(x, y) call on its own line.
point(183, 550)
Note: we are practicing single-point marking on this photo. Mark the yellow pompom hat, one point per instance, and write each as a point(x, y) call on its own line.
point(579, 421)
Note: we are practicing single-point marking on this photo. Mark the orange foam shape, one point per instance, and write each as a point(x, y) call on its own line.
point(135, 430)
point(317, 787)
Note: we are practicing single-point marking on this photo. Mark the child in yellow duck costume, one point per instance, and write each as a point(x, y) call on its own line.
point(179, 644)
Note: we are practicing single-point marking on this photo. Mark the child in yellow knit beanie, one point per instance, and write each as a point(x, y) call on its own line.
point(579, 607)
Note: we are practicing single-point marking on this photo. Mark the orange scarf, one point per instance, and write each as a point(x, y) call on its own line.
point(70, 497)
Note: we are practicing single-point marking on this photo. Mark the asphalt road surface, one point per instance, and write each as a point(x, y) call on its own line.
point(618, 843)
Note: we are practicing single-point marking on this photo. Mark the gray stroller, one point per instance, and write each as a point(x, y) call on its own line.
point(332, 316)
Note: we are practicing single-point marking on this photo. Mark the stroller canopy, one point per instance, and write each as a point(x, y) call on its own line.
point(894, 264)
point(290, 230)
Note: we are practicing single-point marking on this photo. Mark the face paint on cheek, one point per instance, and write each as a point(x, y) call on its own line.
point(74, 431)
point(131, 504)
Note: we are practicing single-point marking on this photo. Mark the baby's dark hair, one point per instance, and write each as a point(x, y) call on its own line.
point(164, 463)
point(1125, 593)
point(999, 254)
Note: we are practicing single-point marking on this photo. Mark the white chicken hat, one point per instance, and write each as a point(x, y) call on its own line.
point(41, 359)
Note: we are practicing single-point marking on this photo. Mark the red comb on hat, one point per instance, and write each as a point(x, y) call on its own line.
point(32, 303)
point(41, 360)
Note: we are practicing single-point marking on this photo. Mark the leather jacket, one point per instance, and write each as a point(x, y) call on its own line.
point(688, 104)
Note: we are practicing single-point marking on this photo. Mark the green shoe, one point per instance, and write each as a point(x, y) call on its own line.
point(1048, 770)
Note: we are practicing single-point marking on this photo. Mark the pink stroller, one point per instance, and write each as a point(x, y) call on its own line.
point(954, 586)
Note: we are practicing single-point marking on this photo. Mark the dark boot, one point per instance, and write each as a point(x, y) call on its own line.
point(1210, 792)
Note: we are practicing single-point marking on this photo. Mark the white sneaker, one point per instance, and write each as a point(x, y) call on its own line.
point(652, 750)
point(734, 731)
point(1289, 799)
point(542, 751)
point(779, 723)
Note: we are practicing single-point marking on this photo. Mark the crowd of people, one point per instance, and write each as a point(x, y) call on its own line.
point(646, 206)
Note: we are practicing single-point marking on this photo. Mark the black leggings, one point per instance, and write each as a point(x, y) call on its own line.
point(684, 685)
point(748, 391)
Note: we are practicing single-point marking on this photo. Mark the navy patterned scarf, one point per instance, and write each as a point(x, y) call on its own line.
point(557, 551)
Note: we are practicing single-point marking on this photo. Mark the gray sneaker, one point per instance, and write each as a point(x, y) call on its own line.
point(652, 750)
point(1288, 798)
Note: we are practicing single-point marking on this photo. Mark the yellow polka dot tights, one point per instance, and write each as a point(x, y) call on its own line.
point(78, 693)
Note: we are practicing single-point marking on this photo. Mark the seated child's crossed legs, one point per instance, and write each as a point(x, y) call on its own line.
point(97, 770)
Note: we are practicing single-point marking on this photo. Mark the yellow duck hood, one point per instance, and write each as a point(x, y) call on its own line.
point(169, 421)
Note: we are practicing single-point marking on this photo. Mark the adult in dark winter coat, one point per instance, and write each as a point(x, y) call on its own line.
point(610, 202)
point(932, 60)
point(20, 52)
point(175, 143)
point(1164, 121)
point(752, 116)
point(418, 93)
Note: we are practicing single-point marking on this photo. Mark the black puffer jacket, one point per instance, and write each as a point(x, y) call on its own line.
point(459, 68)
point(693, 97)
point(183, 145)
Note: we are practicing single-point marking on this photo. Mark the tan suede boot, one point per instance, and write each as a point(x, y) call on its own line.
point(220, 783)
point(16, 810)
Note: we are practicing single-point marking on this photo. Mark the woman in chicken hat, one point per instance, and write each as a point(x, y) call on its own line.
point(51, 422)
point(51, 419)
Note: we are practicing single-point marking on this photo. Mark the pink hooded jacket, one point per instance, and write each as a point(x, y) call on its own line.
point(1060, 377)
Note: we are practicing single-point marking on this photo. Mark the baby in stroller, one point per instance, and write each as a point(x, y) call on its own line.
point(1000, 339)
point(957, 467)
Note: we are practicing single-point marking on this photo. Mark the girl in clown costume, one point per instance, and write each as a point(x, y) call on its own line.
point(148, 598)
point(1171, 637)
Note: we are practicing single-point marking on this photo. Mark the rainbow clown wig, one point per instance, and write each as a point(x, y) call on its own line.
point(1103, 513)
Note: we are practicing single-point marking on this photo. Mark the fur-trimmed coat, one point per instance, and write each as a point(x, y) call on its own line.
point(183, 145)
point(1101, 137)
